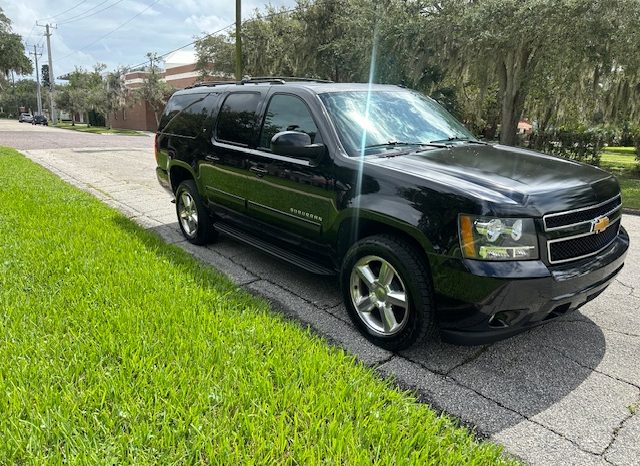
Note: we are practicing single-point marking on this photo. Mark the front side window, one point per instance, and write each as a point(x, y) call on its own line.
point(237, 118)
point(287, 113)
point(367, 120)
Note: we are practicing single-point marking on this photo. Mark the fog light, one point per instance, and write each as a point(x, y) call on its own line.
point(498, 252)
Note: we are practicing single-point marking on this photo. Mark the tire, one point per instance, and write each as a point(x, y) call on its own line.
point(377, 272)
point(193, 217)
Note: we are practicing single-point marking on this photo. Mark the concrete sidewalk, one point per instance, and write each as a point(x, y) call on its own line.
point(564, 393)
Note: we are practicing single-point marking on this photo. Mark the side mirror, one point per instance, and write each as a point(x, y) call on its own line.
point(296, 144)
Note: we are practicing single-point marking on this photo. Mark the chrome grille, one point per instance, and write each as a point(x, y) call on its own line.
point(578, 247)
point(575, 217)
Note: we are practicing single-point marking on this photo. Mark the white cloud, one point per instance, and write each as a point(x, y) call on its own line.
point(206, 24)
point(165, 26)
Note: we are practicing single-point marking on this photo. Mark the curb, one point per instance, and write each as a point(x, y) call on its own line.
point(628, 211)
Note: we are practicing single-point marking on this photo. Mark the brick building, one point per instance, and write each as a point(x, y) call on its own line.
point(179, 72)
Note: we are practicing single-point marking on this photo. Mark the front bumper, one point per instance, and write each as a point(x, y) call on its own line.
point(480, 302)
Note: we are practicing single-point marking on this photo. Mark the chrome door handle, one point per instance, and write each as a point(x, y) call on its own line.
point(259, 171)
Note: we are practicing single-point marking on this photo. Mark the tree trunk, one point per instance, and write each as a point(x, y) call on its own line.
point(513, 73)
point(511, 113)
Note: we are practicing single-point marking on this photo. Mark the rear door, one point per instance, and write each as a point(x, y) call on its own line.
point(223, 169)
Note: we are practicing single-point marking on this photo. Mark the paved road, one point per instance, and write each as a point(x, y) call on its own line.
point(28, 136)
point(564, 393)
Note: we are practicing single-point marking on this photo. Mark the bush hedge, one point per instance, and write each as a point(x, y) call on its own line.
point(578, 144)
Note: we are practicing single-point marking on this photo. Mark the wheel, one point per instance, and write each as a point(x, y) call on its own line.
point(387, 290)
point(193, 217)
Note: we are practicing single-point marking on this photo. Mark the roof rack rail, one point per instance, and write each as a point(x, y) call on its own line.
point(258, 79)
point(280, 79)
point(210, 83)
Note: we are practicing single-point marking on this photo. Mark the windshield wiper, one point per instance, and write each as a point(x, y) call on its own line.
point(403, 144)
point(459, 139)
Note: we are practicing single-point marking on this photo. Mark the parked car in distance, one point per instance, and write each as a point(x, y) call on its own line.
point(25, 118)
point(427, 228)
point(40, 120)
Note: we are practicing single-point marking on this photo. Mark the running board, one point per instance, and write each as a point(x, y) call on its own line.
point(273, 250)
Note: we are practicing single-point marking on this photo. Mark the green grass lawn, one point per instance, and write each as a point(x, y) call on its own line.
point(621, 162)
point(625, 150)
point(116, 348)
point(95, 129)
point(630, 191)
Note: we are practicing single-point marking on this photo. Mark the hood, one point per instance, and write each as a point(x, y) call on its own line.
point(509, 175)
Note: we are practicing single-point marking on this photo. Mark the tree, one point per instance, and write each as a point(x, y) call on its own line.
point(216, 56)
point(488, 61)
point(154, 90)
point(12, 56)
point(115, 98)
point(515, 44)
point(22, 94)
point(84, 92)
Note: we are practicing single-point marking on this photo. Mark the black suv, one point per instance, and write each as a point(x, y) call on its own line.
point(40, 120)
point(427, 228)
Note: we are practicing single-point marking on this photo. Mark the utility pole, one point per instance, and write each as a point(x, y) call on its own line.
point(238, 40)
point(52, 77)
point(38, 95)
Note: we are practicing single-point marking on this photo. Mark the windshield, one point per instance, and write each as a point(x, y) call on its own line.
point(387, 120)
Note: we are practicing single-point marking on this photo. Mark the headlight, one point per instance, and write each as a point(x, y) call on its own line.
point(498, 239)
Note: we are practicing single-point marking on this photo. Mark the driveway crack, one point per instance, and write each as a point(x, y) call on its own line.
point(593, 369)
point(560, 434)
point(471, 358)
point(616, 431)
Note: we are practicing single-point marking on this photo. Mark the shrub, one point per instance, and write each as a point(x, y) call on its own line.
point(580, 144)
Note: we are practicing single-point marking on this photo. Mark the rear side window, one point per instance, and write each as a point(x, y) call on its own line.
point(189, 115)
point(287, 113)
point(195, 117)
point(174, 106)
point(237, 118)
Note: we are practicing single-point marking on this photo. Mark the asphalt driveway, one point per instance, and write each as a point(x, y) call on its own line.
point(564, 393)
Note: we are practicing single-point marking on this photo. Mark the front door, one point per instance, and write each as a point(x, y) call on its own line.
point(294, 194)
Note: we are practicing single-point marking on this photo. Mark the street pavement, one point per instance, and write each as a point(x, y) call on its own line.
point(567, 392)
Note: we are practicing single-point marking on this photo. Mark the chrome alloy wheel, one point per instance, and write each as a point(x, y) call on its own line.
point(188, 213)
point(379, 295)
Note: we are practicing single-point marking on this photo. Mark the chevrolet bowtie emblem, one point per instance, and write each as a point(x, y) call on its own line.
point(600, 224)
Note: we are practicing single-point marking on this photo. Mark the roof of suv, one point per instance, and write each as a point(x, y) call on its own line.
point(319, 87)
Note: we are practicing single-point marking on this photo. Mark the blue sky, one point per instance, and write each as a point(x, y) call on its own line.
point(155, 25)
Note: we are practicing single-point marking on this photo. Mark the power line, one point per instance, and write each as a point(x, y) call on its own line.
point(30, 33)
point(112, 31)
point(184, 46)
point(65, 11)
point(277, 13)
point(81, 17)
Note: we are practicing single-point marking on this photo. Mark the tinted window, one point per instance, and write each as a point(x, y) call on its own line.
point(237, 118)
point(174, 106)
point(195, 117)
point(287, 113)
